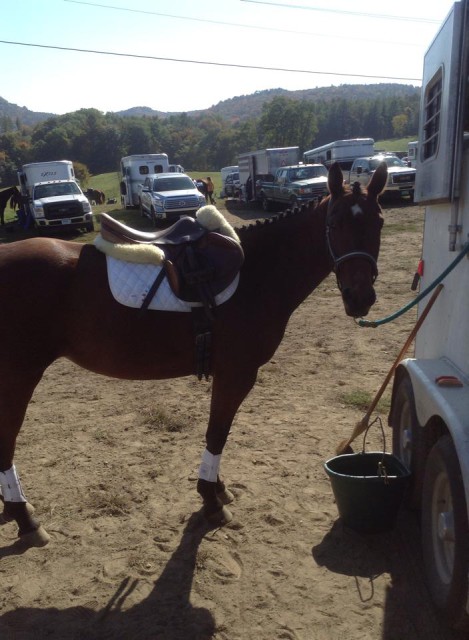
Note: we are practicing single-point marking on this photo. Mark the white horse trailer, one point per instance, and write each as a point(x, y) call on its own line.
point(342, 151)
point(134, 170)
point(430, 401)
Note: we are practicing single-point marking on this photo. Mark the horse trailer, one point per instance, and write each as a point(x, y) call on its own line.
point(429, 411)
point(262, 164)
point(342, 151)
point(134, 170)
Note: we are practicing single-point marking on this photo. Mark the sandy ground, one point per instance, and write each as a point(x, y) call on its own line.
point(111, 468)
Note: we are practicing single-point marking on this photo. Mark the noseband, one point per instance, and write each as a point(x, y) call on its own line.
point(338, 260)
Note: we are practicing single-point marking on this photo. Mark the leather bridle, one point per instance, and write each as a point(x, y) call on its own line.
point(338, 260)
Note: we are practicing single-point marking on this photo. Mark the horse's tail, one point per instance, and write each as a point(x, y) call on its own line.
point(15, 200)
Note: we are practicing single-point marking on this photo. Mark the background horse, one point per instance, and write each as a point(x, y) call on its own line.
point(96, 195)
point(14, 196)
point(56, 295)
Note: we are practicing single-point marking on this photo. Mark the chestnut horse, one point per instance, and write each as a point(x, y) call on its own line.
point(56, 296)
point(14, 196)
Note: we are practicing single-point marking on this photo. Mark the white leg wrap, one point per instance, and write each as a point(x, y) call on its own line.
point(209, 466)
point(11, 486)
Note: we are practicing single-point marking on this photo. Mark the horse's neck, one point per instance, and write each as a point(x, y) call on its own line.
point(291, 254)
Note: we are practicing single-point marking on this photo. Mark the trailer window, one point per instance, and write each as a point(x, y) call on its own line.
point(144, 170)
point(158, 168)
point(432, 113)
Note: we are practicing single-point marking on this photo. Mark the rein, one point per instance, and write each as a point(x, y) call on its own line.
point(338, 260)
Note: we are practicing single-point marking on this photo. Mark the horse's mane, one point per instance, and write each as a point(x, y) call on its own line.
point(278, 221)
point(275, 224)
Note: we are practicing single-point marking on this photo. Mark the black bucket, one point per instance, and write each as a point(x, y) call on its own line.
point(369, 488)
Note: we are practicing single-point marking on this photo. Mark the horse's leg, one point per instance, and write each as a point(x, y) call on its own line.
point(229, 390)
point(15, 394)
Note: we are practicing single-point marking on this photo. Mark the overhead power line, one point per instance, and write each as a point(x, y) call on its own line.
point(207, 62)
point(239, 25)
point(348, 13)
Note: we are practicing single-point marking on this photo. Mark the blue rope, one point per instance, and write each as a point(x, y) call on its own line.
point(393, 316)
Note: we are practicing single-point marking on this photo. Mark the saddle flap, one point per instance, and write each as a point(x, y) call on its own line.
point(203, 268)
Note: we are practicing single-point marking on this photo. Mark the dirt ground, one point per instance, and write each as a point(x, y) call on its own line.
point(111, 468)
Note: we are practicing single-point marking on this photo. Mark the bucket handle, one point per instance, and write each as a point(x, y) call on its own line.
point(382, 473)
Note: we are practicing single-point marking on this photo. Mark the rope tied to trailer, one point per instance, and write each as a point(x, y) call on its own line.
point(421, 295)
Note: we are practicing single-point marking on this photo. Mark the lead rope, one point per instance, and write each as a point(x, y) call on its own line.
point(423, 294)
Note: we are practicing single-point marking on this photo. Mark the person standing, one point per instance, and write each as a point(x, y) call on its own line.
point(210, 190)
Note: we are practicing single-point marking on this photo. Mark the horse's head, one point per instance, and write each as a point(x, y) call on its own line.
point(353, 229)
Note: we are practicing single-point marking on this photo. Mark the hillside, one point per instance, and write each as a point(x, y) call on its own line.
point(241, 107)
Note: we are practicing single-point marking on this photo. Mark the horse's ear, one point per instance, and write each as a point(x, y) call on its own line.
point(335, 180)
point(378, 180)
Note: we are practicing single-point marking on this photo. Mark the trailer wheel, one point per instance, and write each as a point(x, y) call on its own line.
point(445, 533)
point(407, 439)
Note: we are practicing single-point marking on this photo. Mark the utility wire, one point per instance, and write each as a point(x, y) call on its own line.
point(240, 25)
point(206, 62)
point(349, 13)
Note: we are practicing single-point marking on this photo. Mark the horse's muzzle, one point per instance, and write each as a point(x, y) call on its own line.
point(357, 304)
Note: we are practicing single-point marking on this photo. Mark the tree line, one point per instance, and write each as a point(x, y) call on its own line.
point(97, 141)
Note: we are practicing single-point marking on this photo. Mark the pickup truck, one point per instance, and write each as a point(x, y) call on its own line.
point(168, 196)
point(59, 203)
point(401, 177)
point(293, 186)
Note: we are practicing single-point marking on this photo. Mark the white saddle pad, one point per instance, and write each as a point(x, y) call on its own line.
point(130, 283)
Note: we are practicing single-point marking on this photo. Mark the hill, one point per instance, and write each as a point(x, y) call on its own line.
point(244, 106)
point(22, 114)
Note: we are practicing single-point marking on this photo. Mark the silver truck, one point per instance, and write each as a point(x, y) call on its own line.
point(168, 196)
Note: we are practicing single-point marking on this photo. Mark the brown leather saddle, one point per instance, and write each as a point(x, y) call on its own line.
point(198, 263)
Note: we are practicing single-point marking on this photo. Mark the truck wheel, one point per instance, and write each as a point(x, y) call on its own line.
point(153, 217)
point(293, 202)
point(407, 439)
point(141, 209)
point(266, 204)
point(445, 533)
point(90, 226)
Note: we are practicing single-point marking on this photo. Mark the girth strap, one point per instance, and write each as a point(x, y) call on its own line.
point(153, 289)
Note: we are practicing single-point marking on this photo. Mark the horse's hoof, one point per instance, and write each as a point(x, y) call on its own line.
point(37, 538)
point(225, 496)
point(220, 517)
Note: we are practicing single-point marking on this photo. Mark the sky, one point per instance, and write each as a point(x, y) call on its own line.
point(59, 56)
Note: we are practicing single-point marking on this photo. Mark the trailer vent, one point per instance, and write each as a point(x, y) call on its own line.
point(432, 111)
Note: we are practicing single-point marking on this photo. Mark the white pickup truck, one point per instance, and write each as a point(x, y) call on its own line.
point(401, 177)
point(168, 196)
